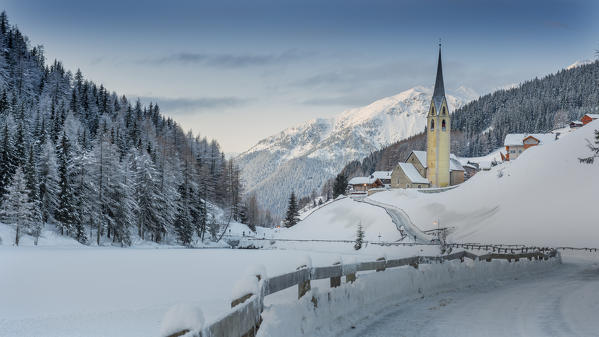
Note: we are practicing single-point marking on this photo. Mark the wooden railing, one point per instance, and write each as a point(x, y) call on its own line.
point(245, 316)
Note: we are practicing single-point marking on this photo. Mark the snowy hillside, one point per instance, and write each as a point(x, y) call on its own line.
point(339, 220)
point(544, 197)
point(301, 158)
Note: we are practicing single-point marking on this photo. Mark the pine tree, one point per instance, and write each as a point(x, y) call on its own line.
point(33, 196)
point(359, 237)
point(340, 185)
point(292, 217)
point(16, 208)
point(65, 214)
point(6, 160)
point(48, 181)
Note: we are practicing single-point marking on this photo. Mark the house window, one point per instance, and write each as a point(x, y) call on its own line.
point(432, 125)
point(418, 186)
point(443, 124)
point(512, 151)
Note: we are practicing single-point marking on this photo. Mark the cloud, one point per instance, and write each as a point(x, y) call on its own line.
point(228, 60)
point(347, 100)
point(557, 24)
point(191, 105)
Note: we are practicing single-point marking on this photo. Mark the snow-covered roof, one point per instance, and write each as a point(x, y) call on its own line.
point(361, 180)
point(412, 173)
point(381, 174)
point(421, 156)
point(594, 116)
point(516, 139)
point(485, 165)
point(454, 163)
point(576, 122)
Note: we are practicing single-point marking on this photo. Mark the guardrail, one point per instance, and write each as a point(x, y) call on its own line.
point(512, 248)
point(245, 318)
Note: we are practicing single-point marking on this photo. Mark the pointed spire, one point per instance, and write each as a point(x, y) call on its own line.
point(439, 87)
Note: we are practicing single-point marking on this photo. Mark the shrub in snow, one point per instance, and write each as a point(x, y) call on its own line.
point(181, 317)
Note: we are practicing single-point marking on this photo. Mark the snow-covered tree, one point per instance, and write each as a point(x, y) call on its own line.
point(292, 217)
point(16, 207)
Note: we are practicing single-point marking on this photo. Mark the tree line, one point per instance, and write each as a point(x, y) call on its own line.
point(99, 167)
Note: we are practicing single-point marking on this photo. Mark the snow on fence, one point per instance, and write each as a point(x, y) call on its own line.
point(245, 316)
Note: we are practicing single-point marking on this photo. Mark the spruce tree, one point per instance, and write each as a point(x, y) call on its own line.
point(292, 217)
point(359, 237)
point(65, 214)
point(6, 160)
point(33, 196)
point(16, 208)
point(340, 185)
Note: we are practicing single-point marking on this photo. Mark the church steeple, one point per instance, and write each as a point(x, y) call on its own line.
point(439, 92)
point(438, 134)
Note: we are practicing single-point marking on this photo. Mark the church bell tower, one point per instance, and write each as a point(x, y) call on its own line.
point(438, 132)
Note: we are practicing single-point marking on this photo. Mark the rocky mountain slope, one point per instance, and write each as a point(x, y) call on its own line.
point(302, 158)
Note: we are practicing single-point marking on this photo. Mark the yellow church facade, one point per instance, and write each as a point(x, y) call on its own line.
point(439, 166)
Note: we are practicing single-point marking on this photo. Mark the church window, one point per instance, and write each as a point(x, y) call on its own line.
point(444, 111)
point(432, 125)
point(443, 124)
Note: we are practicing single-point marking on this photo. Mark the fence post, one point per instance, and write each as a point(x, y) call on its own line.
point(303, 286)
point(383, 267)
point(415, 263)
point(336, 280)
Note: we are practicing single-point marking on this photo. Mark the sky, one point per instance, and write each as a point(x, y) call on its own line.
point(239, 71)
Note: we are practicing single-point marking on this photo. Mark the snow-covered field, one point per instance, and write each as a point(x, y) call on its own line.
point(62, 291)
point(545, 197)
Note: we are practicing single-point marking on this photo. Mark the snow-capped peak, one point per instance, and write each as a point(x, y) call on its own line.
point(318, 149)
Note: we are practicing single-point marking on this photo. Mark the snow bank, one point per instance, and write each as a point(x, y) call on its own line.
point(246, 285)
point(542, 198)
point(339, 220)
point(181, 317)
point(339, 308)
point(48, 237)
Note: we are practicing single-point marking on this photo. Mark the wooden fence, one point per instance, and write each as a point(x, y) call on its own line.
point(245, 317)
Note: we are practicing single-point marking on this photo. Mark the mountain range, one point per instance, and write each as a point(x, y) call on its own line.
point(302, 158)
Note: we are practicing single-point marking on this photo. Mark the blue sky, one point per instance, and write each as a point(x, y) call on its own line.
point(239, 71)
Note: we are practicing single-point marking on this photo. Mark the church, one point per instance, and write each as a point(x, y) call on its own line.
point(435, 167)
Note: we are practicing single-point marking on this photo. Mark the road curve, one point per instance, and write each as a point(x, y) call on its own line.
point(560, 302)
point(400, 218)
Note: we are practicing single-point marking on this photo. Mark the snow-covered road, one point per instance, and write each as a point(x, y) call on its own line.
point(561, 302)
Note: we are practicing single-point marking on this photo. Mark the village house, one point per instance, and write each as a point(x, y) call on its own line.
point(470, 169)
point(363, 184)
point(576, 124)
point(587, 118)
point(383, 176)
point(516, 143)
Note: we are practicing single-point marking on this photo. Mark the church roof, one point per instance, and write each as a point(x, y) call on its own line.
point(439, 92)
point(454, 163)
point(412, 173)
point(421, 156)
